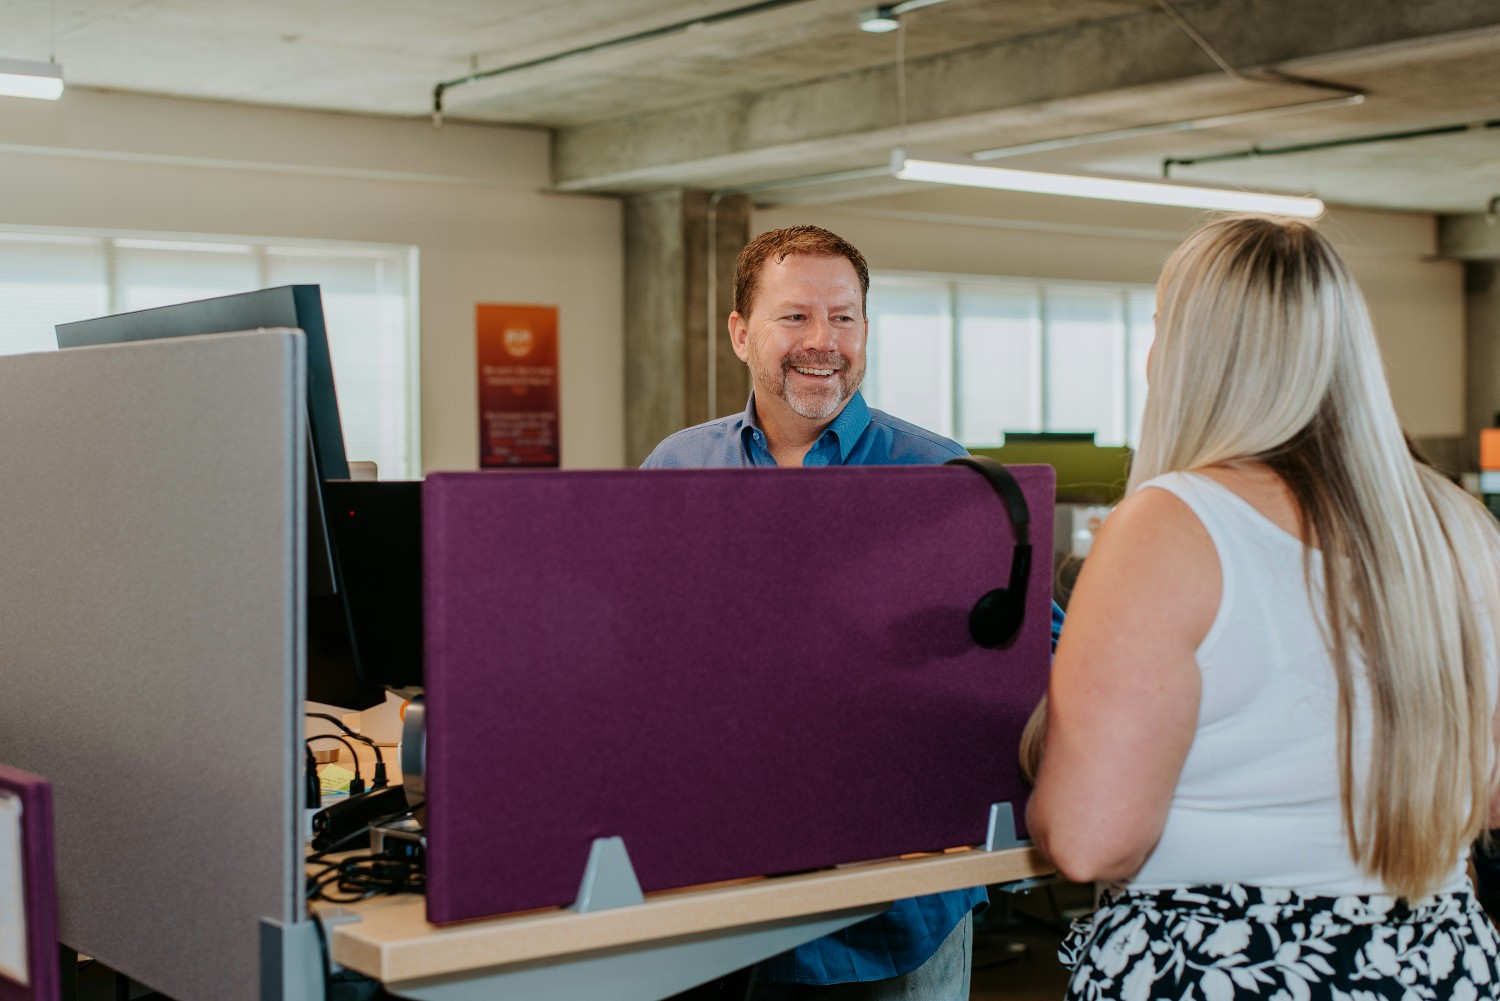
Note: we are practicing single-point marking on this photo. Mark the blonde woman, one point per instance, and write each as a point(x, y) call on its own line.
point(1271, 722)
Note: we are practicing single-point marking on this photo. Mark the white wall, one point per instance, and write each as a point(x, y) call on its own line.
point(468, 197)
point(1417, 302)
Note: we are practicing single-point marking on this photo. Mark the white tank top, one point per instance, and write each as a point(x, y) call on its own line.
point(1258, 801)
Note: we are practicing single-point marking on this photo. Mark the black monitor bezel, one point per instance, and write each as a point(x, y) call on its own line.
point(335, 669)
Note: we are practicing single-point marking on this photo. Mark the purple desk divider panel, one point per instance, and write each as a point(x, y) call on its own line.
point(29, 857)
point(739, 672)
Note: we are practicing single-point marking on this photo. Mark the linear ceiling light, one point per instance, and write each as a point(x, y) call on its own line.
point(976, 175)
point(23, 78)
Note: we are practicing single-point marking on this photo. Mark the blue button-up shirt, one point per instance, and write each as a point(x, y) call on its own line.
point(858, 436)
point(903, 938)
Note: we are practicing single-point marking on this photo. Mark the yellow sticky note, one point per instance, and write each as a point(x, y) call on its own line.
point(334, 778)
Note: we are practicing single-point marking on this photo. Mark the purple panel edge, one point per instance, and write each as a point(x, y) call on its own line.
point(40, 875)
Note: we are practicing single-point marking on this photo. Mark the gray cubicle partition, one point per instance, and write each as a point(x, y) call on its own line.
point(151, 555)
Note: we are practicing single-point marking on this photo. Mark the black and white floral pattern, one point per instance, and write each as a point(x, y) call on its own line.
point(1231, 943)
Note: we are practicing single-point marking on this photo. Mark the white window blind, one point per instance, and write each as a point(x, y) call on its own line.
point(911, 353)
point(975, 358)
point(367, 308)
point(368, 292)
point(1085, 387)
point(46, 280)
point(1000, 362)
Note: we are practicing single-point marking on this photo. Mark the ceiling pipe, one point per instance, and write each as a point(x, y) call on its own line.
point(1255, 151)
point(640, 36)
point(1157, 128)
point(1347, 96)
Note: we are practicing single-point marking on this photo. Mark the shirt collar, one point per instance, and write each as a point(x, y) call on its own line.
point(749, 423)
point(846, 427)
point(850, 424)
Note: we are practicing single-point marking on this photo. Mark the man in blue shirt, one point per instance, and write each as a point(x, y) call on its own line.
point(799, 324)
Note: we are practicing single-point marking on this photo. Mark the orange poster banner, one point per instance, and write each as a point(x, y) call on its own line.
point(1489, 448)
point(518, 398)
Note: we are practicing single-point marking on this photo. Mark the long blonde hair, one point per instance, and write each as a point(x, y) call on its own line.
point(1265, 352)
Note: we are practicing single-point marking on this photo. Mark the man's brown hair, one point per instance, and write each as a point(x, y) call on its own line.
point(778, 244)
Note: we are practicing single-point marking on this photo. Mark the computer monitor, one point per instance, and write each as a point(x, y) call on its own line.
point(335, 668)
point(377, 529)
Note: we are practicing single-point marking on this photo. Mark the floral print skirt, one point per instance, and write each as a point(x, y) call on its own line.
point(1231, 943)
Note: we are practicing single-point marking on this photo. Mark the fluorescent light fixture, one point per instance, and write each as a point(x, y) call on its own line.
point(976, 175)
point(22, 78)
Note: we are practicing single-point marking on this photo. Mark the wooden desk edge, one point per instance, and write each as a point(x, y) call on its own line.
point(393, 942)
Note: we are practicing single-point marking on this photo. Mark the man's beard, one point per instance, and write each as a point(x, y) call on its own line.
point(820, 403)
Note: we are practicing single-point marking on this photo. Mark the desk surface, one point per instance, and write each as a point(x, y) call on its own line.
point(392, 941)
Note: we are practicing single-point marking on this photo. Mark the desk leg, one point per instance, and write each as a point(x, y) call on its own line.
point(645, 972)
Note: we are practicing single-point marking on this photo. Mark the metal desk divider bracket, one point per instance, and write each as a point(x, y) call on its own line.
point(1002, 835)
point(291, 961)
point(609, 880)
point(331, 916)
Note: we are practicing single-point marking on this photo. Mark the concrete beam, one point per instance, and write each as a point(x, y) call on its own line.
point(1473, 237)
point(1124, 70)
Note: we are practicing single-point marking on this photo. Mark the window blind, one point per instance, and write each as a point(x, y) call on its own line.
point(368, 292)
point(976, 358)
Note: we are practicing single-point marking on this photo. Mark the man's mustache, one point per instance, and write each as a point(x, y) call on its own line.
point(832, 360)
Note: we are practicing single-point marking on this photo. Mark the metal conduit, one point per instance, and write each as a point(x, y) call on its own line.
point(1256, 151)
point(640, 36)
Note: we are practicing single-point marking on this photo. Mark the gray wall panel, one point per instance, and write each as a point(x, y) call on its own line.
point(150, 661)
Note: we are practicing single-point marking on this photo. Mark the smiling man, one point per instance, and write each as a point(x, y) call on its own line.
point(799, 323)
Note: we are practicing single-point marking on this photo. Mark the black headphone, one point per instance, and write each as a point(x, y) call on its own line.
point(996, 618)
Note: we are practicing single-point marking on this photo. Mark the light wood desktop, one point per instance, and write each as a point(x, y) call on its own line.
point(391, 941)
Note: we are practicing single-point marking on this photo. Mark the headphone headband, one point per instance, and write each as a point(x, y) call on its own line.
point(1006, 487)
point(995, 620)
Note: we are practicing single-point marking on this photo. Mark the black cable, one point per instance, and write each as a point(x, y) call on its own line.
point(356, 784)
point(313, 792)
point(342, 726)
point(347, 746)
point(360, 877)
point(379, 781)
point(327, 957)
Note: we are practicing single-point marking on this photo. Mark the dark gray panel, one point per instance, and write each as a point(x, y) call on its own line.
point(149, 657)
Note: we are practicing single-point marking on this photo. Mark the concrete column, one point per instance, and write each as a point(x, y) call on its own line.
point(680, 248)
point(1475, 240)
point(1482, 320)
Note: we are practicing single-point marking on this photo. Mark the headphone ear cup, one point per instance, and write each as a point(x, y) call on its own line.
point(996, 618)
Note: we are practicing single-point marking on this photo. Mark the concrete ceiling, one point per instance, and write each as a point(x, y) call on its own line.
point(794, 90)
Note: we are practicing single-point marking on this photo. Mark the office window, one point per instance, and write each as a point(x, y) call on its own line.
point(975, 358)
point(369, 305)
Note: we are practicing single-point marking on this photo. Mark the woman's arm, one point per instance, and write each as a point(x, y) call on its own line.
point(1123, 700)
